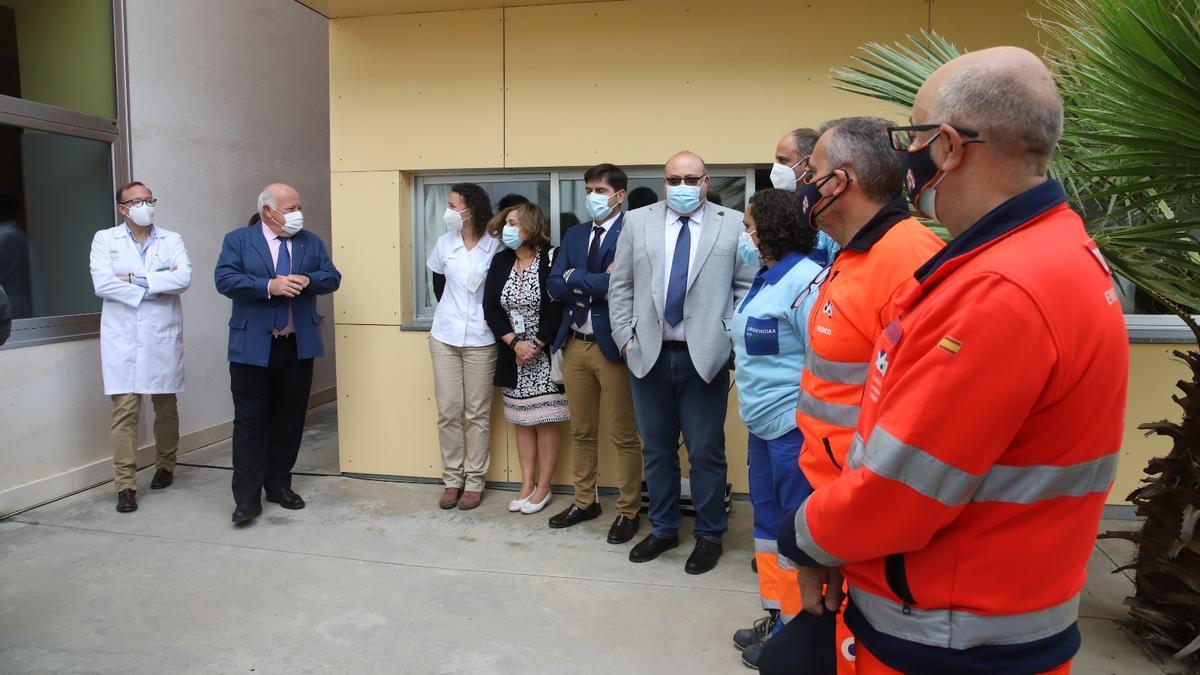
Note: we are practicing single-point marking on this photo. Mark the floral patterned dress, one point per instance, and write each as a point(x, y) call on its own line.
point(536, 399)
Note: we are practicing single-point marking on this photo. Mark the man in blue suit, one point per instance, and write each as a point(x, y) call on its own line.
point(594, 373)
point(273, 271)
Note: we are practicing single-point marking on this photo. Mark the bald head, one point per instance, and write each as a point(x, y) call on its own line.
point(1006, 94)
point(686, 161)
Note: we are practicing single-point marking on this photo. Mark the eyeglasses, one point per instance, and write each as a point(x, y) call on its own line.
point(686, 180)
point(903, 137)
point(813, 286)
point(139, 202)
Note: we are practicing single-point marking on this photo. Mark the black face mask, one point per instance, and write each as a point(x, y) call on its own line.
point(812, 202)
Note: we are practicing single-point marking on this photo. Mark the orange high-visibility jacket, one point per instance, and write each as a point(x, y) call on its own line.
point(853, 305)
point(987, 444)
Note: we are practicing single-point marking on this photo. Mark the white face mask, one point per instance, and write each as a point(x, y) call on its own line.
point(453, 220)
point(784, 177)
point(142, 215)
point(293, 222)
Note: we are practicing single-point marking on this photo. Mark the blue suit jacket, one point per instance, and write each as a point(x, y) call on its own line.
point(585, 288)
point(242, 273)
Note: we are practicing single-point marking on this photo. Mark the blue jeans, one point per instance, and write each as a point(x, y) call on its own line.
point(670, 399)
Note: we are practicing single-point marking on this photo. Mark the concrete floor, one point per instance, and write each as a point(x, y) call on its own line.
point(373, 578)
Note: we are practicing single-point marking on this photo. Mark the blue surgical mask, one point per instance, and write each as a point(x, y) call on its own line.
point(597, 206)
point(749, 251)
point(683, 198)
point(512, 237)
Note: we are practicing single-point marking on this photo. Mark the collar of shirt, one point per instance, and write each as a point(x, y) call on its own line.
point(607, 225)
point(779, 270)
point(673, 216)
point(998, 222)
point(153, 234)
point(269, 233)
point(879, 224)
point(487, 243)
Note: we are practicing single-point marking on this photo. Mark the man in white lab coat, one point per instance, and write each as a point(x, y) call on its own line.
point(140, 270)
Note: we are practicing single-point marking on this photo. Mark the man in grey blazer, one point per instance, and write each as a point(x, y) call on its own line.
point(675, 282)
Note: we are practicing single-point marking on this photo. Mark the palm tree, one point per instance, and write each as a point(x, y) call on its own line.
point(1129, 72)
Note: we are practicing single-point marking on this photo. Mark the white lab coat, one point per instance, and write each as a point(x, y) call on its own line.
point(141, 332)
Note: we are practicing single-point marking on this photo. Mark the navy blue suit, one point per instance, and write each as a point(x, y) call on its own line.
point(242, 273)
point(585, 288)
point(270, 376)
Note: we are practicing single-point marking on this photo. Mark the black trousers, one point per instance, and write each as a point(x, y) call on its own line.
point(269, 405)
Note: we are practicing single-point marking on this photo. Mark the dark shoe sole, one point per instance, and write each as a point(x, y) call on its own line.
point(248, 520)
point(699, 572)
point(749, 665)
point(626, 540)
point(447, 507)
point(159, 487)
point(122, 509)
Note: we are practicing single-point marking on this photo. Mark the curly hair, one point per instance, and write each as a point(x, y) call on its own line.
point(780, 225)
point(478, 203)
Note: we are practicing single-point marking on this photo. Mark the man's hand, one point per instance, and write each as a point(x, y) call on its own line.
point(820, 589)
point(610, 266)
point(301, 279)
point(287, 286)
point(127, 278)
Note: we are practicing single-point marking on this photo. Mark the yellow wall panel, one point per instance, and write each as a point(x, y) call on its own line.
point(366, 229)
point(1153, 373)
point(976, 25)
point(336, 9)
point(387, 417)
point(638, 81)
point(416, 91)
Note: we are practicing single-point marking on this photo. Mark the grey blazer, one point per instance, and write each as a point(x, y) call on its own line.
point(717, 281)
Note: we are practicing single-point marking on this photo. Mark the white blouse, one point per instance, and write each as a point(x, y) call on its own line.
point(458, 318)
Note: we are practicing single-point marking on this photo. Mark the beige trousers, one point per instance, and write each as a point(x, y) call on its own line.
point(126, 411)
point(599, 389)
point(462, 384)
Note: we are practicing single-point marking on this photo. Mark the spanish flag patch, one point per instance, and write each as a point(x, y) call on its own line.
point(950, 345)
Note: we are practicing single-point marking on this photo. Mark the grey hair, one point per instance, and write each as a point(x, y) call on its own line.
point(863, 143)
point(1004, 107)
point(265, 198)
point(803, 140)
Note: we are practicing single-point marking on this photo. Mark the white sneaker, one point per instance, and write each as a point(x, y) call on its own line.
point(517, 504)
point(531, 508)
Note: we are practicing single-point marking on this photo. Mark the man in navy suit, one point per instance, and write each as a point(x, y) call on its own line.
point(273, 271)
point(594, 373)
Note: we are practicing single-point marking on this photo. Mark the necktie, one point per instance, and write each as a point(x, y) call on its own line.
point(677, 288)
point(580, 314)
point(283, 267)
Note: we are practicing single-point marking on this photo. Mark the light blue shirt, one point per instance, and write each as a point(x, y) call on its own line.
point(140, 279)
point(769, 342)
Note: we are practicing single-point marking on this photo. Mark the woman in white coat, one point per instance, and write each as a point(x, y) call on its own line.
point(140, 270)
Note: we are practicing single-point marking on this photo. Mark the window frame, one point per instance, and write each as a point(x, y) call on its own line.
point(422, 314)
point(19, 112)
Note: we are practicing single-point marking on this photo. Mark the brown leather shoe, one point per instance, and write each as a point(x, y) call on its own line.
point(449, 498)
point(470, 499)
point(127, 501)
point(162, 479)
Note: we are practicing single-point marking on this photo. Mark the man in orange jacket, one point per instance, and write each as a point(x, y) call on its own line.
point(994, 405)
point(851, 190)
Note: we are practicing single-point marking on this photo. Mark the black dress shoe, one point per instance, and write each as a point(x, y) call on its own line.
point(651, 547)
point(573, 515)
point(623, 529)
point(704, 557)
point(245, 513)
point(162, 479)
point(127, 501)
point(285, 498)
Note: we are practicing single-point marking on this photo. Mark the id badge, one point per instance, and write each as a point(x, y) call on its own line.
point(518, 323)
